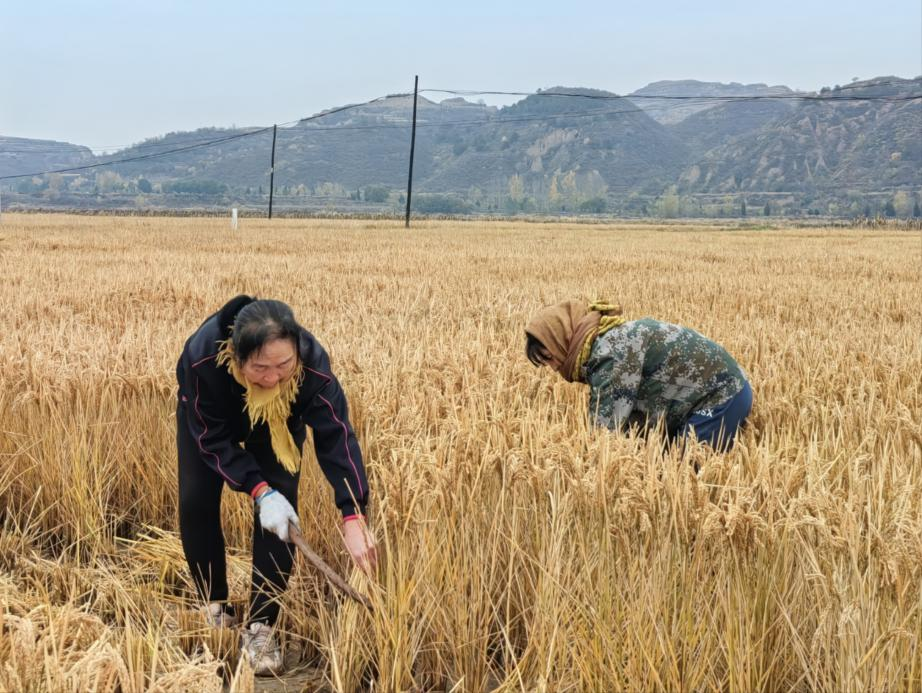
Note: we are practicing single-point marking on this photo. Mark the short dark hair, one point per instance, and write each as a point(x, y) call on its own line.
point(260, 322)
point(534, 350)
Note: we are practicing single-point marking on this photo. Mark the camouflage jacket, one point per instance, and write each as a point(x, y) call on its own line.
point(647, 370)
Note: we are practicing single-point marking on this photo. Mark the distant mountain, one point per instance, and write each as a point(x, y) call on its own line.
point(725, 122)
point(603, 142)
point(564, 149)
point(364, 145)
point(459, 145)
point(826, 144)
point(683, 98)
point(21, 155)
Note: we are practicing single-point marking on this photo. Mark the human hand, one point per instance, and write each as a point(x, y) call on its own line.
point(360, 543)
point(275, 512)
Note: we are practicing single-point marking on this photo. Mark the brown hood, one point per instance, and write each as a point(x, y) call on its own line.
point(563, 330)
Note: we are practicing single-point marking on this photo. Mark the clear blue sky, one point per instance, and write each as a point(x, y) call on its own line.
point(106, 73)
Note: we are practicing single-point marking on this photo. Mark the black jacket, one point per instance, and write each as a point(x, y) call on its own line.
point(215, 417)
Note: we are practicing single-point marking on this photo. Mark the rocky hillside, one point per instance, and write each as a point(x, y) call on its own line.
point(828, 144)
point(562, 149)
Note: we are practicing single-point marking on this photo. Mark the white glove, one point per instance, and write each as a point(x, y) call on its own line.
point(275, 512)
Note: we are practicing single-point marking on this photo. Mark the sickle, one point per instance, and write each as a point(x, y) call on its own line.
point(298, 540)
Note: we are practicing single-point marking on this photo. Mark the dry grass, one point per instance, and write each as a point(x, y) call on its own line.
point(524, 551)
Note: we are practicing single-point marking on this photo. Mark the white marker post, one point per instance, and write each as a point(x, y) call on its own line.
point(234, 218)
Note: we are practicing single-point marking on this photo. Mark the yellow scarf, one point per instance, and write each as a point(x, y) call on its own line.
point(606, 323)
point(272, 405)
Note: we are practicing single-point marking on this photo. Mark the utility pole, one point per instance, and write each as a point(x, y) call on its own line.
point(272, 171)
point(412, 149)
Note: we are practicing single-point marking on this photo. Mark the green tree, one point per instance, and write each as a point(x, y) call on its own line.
point(667, 206)
point(56, 183)
point(516, 188)
point(109, 181)
point(743, 208)
point(330, 189)
point(890, 209)
point(376, 193)
point(916, 210)
point(553, 192)
point(195, 187)
point(144, 185)
point(767, 211)
point(594, 205)
point(30, 186)
point(593, 185)
point(568, 186)
point(440, 204)
point(902, 203)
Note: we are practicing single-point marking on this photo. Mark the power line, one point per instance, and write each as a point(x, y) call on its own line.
point(695, 99)
point(795, 96)
point(135, 158)
point(498, 120)
point(207, 143)
point(64, 147)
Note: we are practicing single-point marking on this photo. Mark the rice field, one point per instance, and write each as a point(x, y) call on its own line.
point(521, 549)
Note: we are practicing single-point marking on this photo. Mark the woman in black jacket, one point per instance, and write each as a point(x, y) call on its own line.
point(250, 380)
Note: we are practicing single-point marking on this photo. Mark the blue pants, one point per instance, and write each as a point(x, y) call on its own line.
point(718, 426)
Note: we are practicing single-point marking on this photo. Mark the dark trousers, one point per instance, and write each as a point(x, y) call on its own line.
point(718, 427)
point(200, 524)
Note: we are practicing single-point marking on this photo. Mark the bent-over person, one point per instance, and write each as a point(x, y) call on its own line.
point(251, 379)
point(643, 372)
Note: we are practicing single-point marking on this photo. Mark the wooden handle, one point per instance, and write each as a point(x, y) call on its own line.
point(298, 540)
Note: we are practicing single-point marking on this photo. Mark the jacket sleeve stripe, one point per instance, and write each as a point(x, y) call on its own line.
point(322, 375)
point(345, 443)
point(200, 361)
point(345, 431)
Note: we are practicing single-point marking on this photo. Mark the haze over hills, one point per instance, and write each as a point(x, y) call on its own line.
point(564, 149)
point(689, 96)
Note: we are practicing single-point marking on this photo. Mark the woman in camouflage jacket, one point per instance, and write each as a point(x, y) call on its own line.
point(643, 372)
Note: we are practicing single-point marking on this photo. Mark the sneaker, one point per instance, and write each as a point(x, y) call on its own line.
point(217, 616)
point(262, 648)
